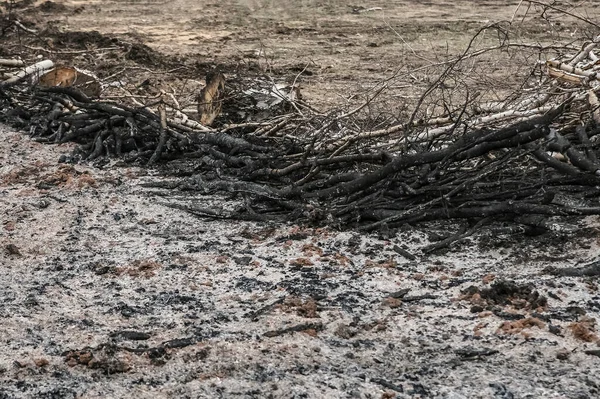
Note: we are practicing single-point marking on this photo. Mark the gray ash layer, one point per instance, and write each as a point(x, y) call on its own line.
point(106, 293)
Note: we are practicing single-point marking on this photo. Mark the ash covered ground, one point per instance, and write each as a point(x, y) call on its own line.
point(106, 292)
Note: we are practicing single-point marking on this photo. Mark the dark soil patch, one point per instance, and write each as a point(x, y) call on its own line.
point(590, 270)
point(144, 55)
point(79, 39)
point(52, 7)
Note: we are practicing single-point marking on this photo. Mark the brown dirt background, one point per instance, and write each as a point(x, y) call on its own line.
point(342, 48)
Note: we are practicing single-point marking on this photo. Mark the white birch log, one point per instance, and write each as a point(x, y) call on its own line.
point(595, 105)
point(510, 114)
point(583, 54)
point(11, 62)
point(35, 69)
point(572, 70)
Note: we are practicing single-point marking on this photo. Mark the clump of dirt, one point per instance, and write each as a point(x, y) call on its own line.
point(301, 262)
point(302, 307)
point(144, 55)
point(67, 175)
point(45, 176)
point(12, 250)
point(518, 326)
point(18, 175)
point(105, 357)
point(52, 7)
point(505, 293)
point(584, 329)
point(137, 52)
point(140, 268)
point(79, 39)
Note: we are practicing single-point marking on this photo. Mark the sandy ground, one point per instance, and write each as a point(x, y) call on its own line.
point(107, 293)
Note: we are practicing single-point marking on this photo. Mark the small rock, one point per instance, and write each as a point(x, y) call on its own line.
point(593, 352)
point(43, 203)
point(400, 293)
point(12, 249)
point(242, 260)
point(562, 354)
point(20, 363)
point(392, 302)
point(473, 353)
point(72, 362)
point(131, 335)
point(311, 332)
point(156, 353)
point(555, 330)
point(85, 357)
point(101, 270)
point(476, 309)
point(10, 226)
point(41, 362)
point(345, 332)
point(179, 343)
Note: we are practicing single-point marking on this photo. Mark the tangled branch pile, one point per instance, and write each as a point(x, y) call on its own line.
point(524, 159)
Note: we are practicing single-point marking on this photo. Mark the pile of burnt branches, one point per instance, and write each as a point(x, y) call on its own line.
point(543, 163)
point(526, 159)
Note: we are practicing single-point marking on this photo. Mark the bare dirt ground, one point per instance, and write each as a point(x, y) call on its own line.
point(107, 293)
point(340, 48)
